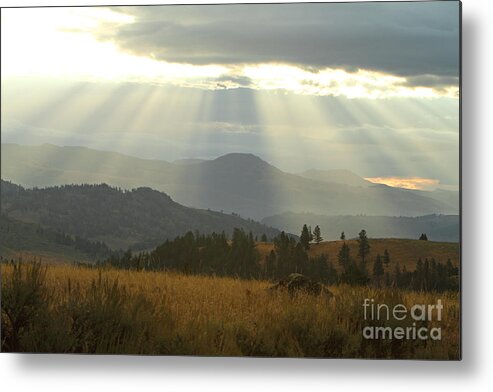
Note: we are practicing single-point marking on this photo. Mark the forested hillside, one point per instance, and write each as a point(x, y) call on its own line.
point(31, 241)
point(140, 218)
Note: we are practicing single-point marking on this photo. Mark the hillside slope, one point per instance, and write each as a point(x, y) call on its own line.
point(336, 176)
point(29, 241)
point(141, 218)
point(402, 251)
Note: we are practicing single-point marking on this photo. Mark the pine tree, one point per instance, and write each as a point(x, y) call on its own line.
point(344, 257)
point(423, 237)
point(317, 235)
point(378, 267)
point(364, 246)
point(386, 258)
point(343, 236)
point(263, 238)
point(305, 238)
point(320, 268)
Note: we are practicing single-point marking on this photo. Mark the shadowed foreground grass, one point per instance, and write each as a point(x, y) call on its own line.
point(62, 308)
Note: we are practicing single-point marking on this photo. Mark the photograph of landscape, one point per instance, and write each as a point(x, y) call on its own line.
point(261, 180)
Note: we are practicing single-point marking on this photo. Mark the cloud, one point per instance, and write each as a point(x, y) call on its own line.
point(415, 40)
point(399, 137)
point(340, 82)
point(416, 183)
point(432, 81)
point(221, 128)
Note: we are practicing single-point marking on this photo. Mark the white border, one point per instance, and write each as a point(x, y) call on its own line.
point(126, 373)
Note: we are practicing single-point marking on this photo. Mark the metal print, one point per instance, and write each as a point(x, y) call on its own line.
point(267, 180)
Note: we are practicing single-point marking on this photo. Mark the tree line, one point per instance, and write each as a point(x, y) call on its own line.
point(95, 249)
point(214, 254)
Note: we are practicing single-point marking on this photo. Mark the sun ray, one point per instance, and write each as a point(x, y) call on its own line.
point(92, 92)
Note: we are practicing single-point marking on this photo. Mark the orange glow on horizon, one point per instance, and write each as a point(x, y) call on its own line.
point(414, 183)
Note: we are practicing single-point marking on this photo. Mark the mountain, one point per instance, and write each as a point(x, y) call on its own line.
point(345, 177)
point(437, 227)
point(450, 198)
point(141, 218)
point(49, 165)
point(240, 183)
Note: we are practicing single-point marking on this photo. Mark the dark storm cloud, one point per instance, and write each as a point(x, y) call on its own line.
point(419, 39)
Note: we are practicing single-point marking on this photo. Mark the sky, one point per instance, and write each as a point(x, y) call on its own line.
point(368, 87)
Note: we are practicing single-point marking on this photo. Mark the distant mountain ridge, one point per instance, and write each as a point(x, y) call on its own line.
point(141, 218)
point(240, 183)
point(444, 228)
point(339, 176)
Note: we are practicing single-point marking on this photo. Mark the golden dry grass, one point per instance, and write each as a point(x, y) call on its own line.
point(405, 252)
point(198, 315)
point(44, 257)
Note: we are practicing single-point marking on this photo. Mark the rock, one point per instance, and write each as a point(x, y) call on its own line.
point(295, 283)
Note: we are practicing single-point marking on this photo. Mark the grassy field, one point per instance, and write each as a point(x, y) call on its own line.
point(62, 308)
point(47, 257)
point(405, 252)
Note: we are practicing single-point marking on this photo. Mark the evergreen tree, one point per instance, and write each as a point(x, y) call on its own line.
point(305, 238)
point(450, 269)
point(363, 246)
point(362, 273)
point(378, 267)
point(317, 235)
point(344, 257)
point(386, 258)
point(310, 234)
point(333, 276)
point(423, 237)
point(343, 236)
point(263, 238)
point(243, 252)
point(319, 268)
